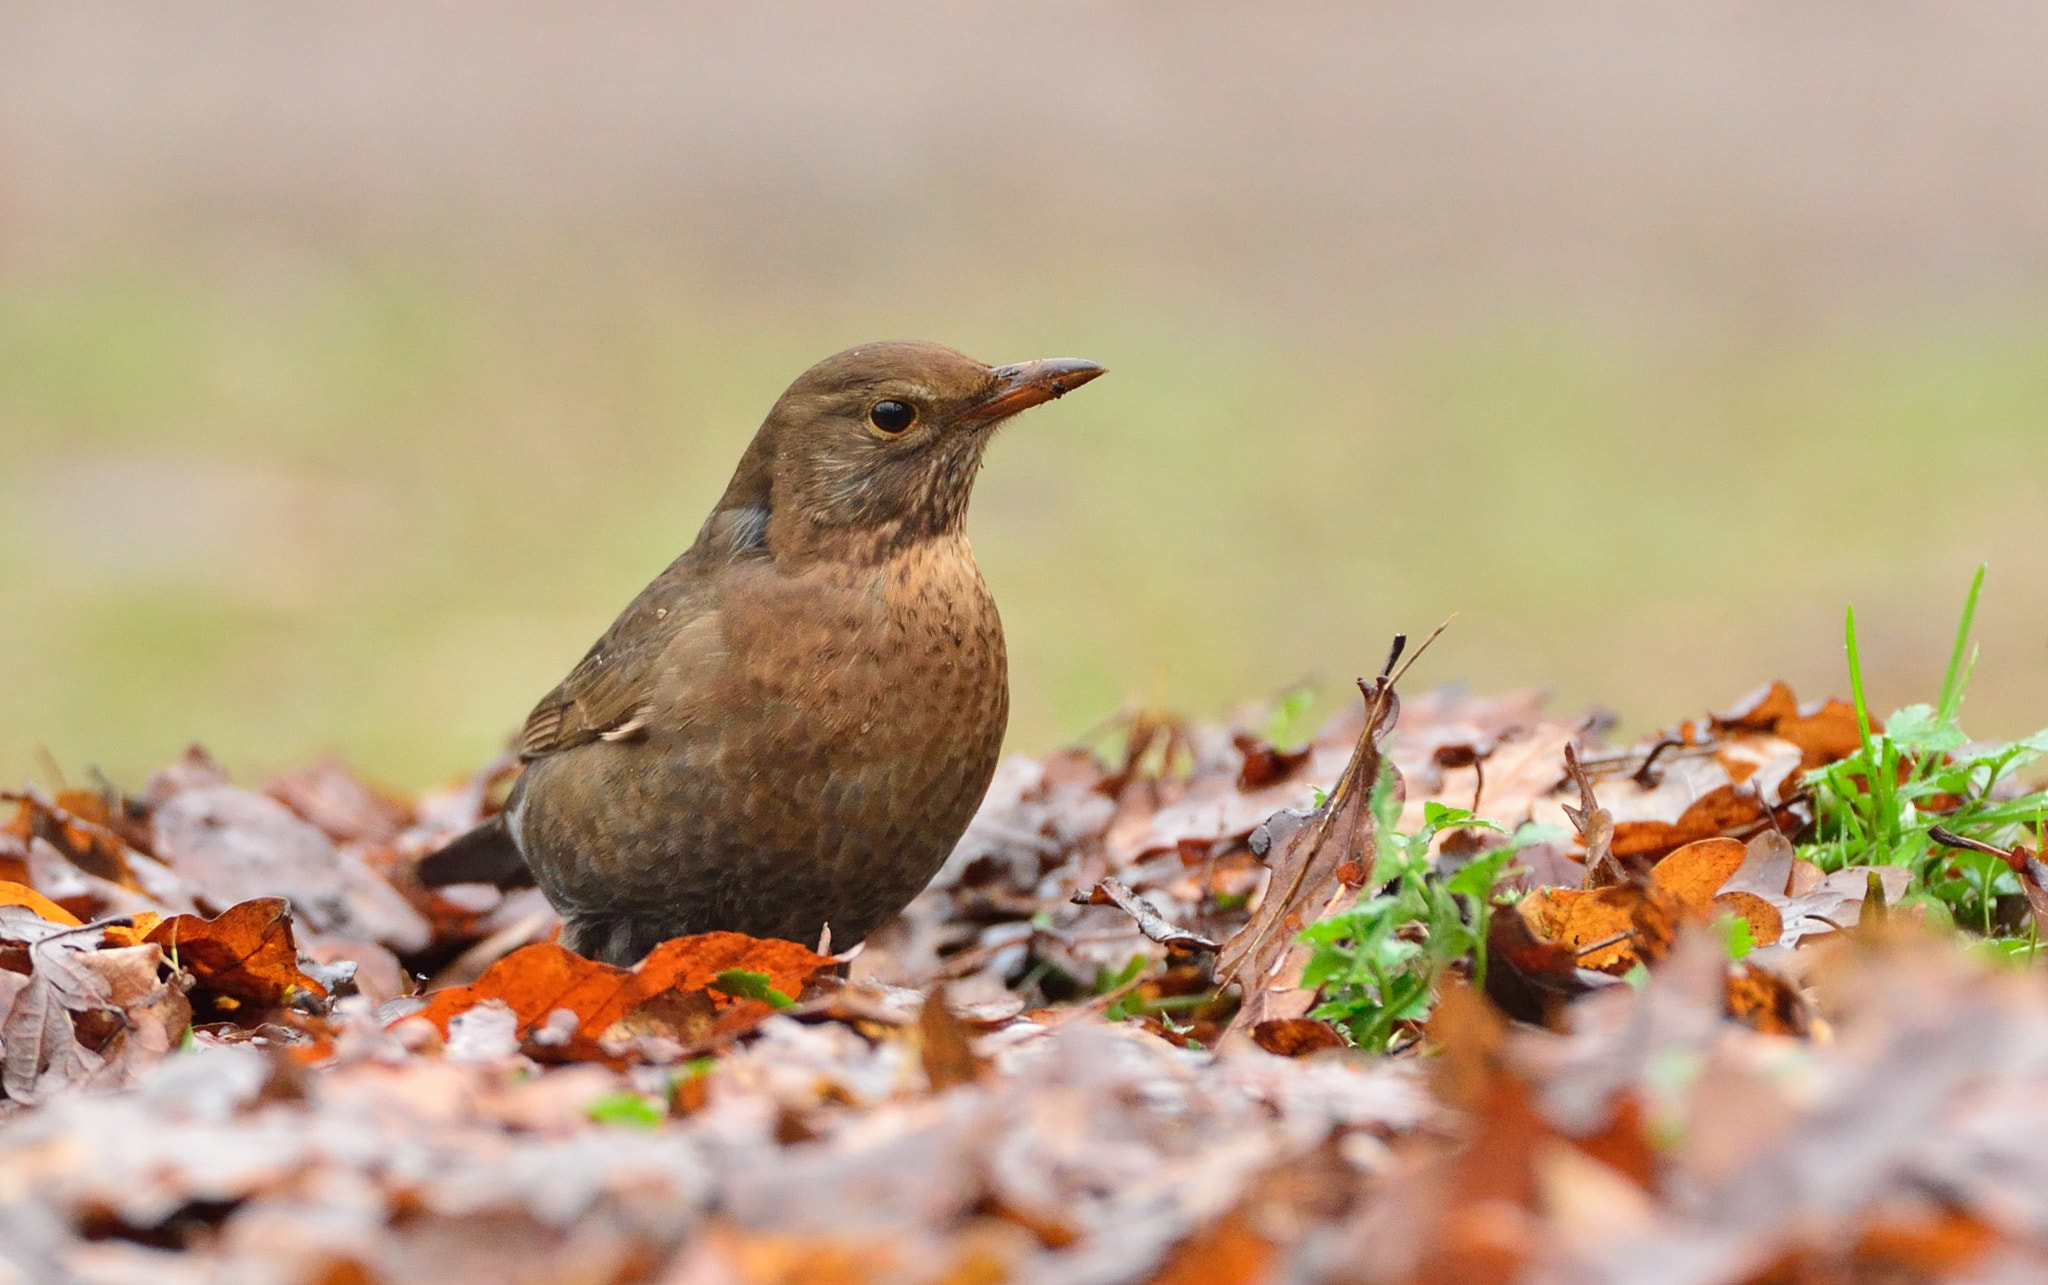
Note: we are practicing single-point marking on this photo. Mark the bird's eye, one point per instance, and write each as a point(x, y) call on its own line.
point(891, 417)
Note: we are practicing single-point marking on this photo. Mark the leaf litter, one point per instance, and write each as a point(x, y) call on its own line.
point(238, 1041)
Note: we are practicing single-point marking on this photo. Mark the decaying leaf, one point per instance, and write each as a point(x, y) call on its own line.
point(1265, 957)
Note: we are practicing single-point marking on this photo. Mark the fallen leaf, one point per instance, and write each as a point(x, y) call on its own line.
point(538, 980)
point(944, 1046)
point(1265, 957)
point(246, 953)
point(1297, 1036)
point(1695, 872)
point(15, 894)
point(1112, 892)
point(235, 846)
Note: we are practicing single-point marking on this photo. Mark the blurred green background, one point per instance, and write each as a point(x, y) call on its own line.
point(357, 362)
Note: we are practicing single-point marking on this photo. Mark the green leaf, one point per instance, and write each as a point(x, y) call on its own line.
point(1919, 727)
point(1107, 980)
point(1476, 880)
point(741, 984)
point(629, 1110)
point(1736, 935)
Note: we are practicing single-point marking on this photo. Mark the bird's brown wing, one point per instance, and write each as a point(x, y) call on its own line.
point(610, 693)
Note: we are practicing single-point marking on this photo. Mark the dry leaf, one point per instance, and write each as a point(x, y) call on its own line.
point(246, 953)
point(15, 894)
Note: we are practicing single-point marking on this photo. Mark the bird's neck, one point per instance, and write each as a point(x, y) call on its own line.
point(753, 531)
point(797, 544)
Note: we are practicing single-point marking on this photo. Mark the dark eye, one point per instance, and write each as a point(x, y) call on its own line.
point(891, 417)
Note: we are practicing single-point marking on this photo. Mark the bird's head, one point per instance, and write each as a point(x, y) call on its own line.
point(876, 446)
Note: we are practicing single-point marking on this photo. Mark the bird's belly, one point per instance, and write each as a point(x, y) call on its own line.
point(821, 777)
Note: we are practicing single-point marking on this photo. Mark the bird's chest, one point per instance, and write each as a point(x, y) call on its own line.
point(902, 659)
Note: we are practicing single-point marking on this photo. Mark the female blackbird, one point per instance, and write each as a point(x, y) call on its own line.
point(792, 725)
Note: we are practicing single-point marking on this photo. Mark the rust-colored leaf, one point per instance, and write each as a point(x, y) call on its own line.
point(246, 953)
point(135, 933)
point(1296, 1036)
point(693, 963)
point(538, 980)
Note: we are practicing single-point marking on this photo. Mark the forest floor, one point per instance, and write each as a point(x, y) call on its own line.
point(1450, 989)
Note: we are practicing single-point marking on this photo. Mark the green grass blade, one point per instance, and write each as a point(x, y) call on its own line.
point(1856, 680)
point(1958, 670)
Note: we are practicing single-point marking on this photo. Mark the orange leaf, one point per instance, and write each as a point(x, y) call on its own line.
point(1827, 735)
point(1715, 812)
point(693, 963)
point(1765, 1002)
point(1695, 872)
point(246, 953)
point(1766, 925)
point(17, 894)
point(136, 935)
point(534, 981)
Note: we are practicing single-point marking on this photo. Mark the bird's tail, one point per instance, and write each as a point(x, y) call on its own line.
point(484, 855)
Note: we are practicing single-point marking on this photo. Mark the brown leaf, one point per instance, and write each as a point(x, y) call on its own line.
point(1825, 734)
point(92, 847)
point(1264, 957)
point(1472, 1036)
point(42, 1054)
point(1767, 1002)
point(1766, 925)
point(235, 846)
point(1112, 892)
point(154, 1013)
point(330, 796)
point(1594, 823)
point(1760, 710)
point(246, 953)
point(1766, 870)
point(1726, 808)
point(1529, 976)
point(944, 1047)
point(1297, 1036)
point(1825, 731)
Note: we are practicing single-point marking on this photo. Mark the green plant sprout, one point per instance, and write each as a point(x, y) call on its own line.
point(1877, 806)
point(1379, 964)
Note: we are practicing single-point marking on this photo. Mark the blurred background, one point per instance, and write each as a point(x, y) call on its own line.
point(358, 361)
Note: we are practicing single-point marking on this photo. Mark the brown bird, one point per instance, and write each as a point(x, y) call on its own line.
point(791, 727)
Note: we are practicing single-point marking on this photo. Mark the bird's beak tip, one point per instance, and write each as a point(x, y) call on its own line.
point(1031, 383)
